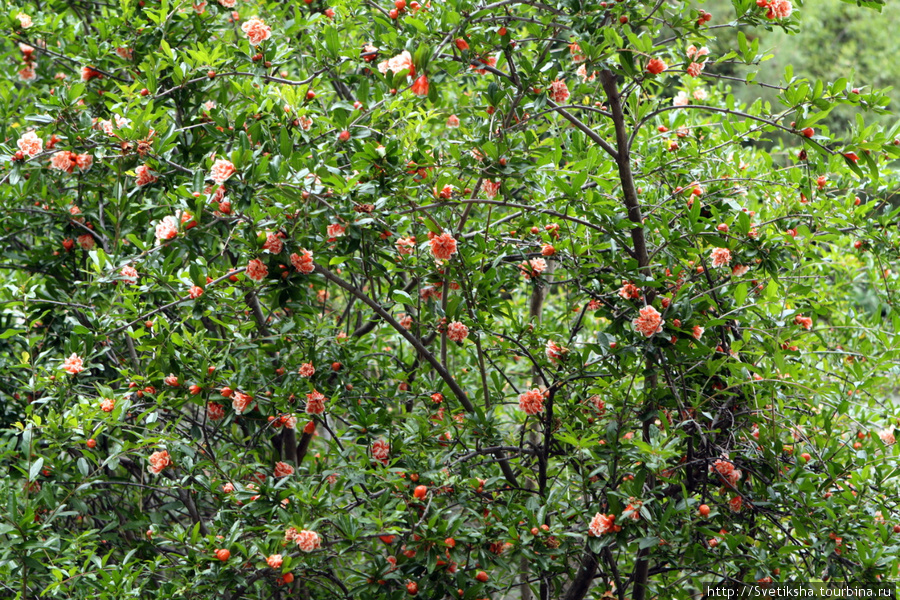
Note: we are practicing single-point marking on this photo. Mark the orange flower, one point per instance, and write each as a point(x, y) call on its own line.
point(30, 144)
point(602, 524)
point(73, 365)
point(629, 291)
point(401, 62)
point(649, 321)
point(532, 402)
point(559, 91)
point(256, 270)
point(159, 461)
point(143, 176)
point(257, 31)
point(215, 411)
point(303, 262)
point(804, 322)
point(307, 540)
point(457, 332)
point(307, 370)
point(315, 403)
point(221, 170)
point(381, 451)
point(720, 257)
point(335, 230)
point(240, 402)
point(443, 246)
point(656, 66)
point(275, 561)
point(420, 86)
point(282, 469)
point(88, 73)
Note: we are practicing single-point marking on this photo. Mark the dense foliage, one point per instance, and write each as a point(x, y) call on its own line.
point(834, 39)
point(451, 300)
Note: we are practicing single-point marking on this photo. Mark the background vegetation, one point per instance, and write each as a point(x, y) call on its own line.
point(458, 299)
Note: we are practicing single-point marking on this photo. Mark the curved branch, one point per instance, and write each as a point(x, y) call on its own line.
point(595, 137)
point(725, 111)
point(423, 351)
point(413, 340)
point(262, 76)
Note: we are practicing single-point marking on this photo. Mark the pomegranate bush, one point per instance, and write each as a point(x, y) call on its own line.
point(454, 299)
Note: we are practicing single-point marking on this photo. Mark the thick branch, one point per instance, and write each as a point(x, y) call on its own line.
point(584, 578)
point(623, 161)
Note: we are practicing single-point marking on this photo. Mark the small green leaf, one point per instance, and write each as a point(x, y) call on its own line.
point(402, 297)
point(35, 469)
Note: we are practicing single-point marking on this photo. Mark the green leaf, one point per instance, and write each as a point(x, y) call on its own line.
point(740, 294)
point(402, 297)
point(332, 42)
point(647, 542)
point(35, 469)
point(285, 144)
point(417, 24)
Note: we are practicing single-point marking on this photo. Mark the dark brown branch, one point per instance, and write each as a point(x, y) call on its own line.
point(423, 352)
point(595, 137)
point(626, 178)
point(581, 584)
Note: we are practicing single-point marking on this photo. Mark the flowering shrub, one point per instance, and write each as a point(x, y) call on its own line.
point(559, 317)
